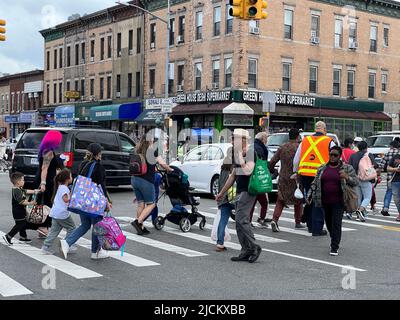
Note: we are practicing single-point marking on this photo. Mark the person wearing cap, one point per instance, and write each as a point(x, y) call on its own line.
point(313, 152)
point(243, 166)
point(99, 177)
point(356, 141)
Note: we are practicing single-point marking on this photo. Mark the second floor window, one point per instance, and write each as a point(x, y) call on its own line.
point(152, 78)
point(130, 42)
point(288, 24)
point(92, 50)
point(101, 88)
point(371, 85)
point(197, 72)
point(252, 73)
point(217, 21)
point(313, 79)
point(373, 39)
point(181, 29)
point(138, 86)
point(102, 49)
point(92, 87)
point(199, 25)
point(336, 82)
point(138, 40)
point(384, 82)
point(108, 87)
point(118, 83)
point(171, 31)
point(181, 75)
point(286, 76)
point(351, 75)
point(130, 85)
point(215, 74)
point(228, 72)
point(119, 44)
point(338, 33)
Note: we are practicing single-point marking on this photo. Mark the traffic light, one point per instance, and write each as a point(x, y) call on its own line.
point(2, 30)
point(237, 8)
point(263, 121)
point(253, 9)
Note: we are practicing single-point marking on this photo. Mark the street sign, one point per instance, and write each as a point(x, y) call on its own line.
point(269, 101)
point(166, 105)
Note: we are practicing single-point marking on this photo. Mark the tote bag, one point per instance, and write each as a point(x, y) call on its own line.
point(87, 197)
point(260, 180)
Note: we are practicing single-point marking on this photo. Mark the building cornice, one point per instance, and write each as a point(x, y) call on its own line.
point(153, 5)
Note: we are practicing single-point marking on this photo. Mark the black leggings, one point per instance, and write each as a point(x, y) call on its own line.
point(21, 226)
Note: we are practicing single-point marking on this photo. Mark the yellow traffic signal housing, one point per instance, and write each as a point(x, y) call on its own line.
point(263, 121)
point(253, 9)
point(2, 30)
point(237, 8)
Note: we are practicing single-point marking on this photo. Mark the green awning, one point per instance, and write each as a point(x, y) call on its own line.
point(105, 113)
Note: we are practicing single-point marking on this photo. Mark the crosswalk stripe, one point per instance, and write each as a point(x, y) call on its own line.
point(158, 244)
point(292, 220)
point(55, 262)
point(10, 288)
point(127, 257)
point(236, 246)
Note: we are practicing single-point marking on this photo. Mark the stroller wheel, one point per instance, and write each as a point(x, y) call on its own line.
point(202, 224)
point(185, 224)
point(159, 223)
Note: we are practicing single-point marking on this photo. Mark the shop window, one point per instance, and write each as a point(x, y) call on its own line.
point(108, 141)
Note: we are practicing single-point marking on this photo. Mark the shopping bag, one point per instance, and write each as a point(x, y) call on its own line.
point(260, 180)
point(87, 197)
point(38, 213)
point(350, 199)
point(214, 230)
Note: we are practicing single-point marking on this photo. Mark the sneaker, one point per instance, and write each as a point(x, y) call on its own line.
point(268, 220)
point(7, 239)
point(360, 215)
point(24, 240)
point(262, 223)
point(385, 213)
point(274, 226)
point(137, 226)
point(64, 248)
point(253, 258)
point(300, 226)
point(334, 252)
point(101, 254)
point(47, 250)
point(145, 230)
point(349, 215)
point(374, 211)
point(252, 225)
point(241, 257)
point(73, 249)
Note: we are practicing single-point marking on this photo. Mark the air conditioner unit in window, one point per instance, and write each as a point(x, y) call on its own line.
point(151, 91)
point(353, 45)
point(179, 87)
point(315, 40)
point(119, 53)
point(130, 52)
point(215, 85)
point(118, 94)
point(152, 45)
point(254, 30)
point(179, 39)
point(91, 59)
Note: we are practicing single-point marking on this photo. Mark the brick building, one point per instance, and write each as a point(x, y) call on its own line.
point(322, 58)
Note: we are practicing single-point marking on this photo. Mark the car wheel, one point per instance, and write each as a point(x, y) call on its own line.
point(214, 186)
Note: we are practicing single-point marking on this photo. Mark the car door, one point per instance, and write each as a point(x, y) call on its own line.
point(191, 165)
point(127, 147)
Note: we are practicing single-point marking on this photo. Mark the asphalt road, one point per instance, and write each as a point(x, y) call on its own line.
point(170, 264)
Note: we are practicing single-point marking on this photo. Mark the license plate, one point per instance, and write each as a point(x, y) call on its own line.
point(35, 161)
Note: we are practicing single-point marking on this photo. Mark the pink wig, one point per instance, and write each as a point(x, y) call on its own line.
point(51, 141)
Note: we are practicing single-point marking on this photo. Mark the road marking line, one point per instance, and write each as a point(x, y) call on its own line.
point(292, 220)
point(55, 262)
point(158, 244)
point(127, 257)
point(236, 246)
point(381, 220)
point(9, 287)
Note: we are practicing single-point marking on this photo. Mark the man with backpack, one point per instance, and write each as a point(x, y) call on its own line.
point(364, 164)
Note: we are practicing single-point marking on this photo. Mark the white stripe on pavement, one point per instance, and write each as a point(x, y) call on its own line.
point(10, 288)
point(236, 246)
point(292, 220)
point(158, 244)
point(55, 262)
point(127, 258)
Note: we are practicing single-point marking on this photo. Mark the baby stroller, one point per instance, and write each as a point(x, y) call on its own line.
point(177, 187)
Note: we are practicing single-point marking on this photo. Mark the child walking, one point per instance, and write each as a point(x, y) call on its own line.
point(61, 217)
point(19, 202)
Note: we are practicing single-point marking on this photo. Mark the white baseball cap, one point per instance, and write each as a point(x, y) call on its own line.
point(358, 139)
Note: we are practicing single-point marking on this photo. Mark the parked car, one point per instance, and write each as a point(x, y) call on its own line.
point(10, 146)
point(115, 156)
point(203, 163)
point(379, 144)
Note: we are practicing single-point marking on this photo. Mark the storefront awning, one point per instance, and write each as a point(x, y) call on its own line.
point(149, 116)
point(186, 109)
point(238, 108)
point(126, 111)
point(64, 116)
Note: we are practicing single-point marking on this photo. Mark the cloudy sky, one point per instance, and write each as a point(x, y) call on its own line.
point(23, 49)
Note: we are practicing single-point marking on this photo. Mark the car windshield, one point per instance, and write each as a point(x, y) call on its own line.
point(277, 139)
point(32, 140)
point(371, 141)
point(382, 142)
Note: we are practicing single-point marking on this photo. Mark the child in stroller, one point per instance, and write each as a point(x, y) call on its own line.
point(177, 187)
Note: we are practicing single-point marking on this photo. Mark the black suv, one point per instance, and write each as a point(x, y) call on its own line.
point(115, 155)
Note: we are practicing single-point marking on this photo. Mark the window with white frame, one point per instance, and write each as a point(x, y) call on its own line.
point(352, 34)
point(351, 77)
point(198, 67)
point(217, 21)
point(336, 82)
point(385, 36)
point(229, 20)
point(252, 73)
point(384, 81)
point(286, 76)
point(288, 24)
point(371, 85)
point(228, 72)
point(152, 36)
point(199, 25)
point(215, 73)
point(373, 39)
point(338, 33)
point(314, 25)
point(313, 79)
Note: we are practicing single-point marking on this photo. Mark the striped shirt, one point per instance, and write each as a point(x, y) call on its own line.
point(385, 161)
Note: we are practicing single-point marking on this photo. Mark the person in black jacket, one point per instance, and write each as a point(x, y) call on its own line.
point(98, 176)
point(262, 152)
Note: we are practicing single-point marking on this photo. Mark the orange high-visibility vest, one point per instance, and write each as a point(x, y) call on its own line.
point(314, 153)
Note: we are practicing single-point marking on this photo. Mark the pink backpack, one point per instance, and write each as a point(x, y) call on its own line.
point(366, 171)
point(110, 234)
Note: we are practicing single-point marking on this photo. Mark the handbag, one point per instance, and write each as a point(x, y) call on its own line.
point(350, 199)
point(87, 197)
point(260, 180)
point(38, 213)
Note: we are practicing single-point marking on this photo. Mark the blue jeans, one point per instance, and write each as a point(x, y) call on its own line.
point(226, 210)
point(364, 193)
point(157, 182)
point(86, 223)
point(396, 194)
point(388, 196)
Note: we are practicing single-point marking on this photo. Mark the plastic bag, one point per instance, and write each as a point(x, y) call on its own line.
point(298, 194)
point(214, 229)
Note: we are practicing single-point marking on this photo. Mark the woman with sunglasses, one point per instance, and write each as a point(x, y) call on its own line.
point(327, 192)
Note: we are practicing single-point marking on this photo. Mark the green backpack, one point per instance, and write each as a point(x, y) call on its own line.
point(260, 180)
